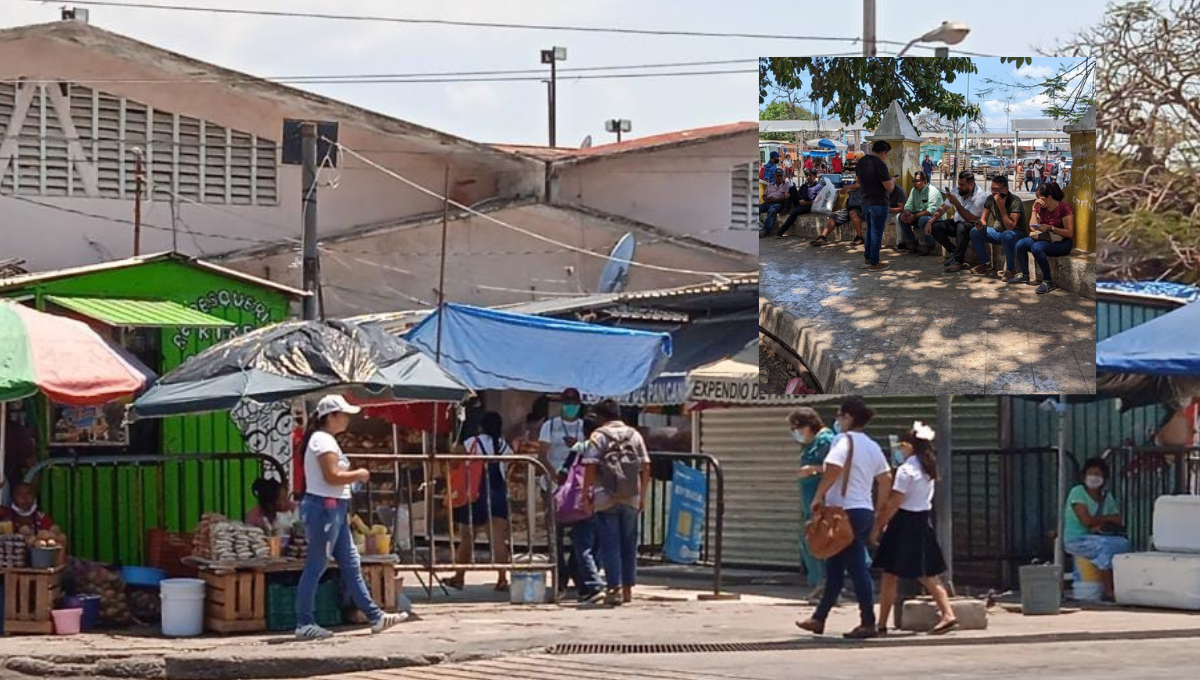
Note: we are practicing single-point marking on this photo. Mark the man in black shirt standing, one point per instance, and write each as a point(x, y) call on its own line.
point(875, 182)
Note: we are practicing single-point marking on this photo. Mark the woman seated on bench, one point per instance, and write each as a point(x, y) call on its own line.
point(1092, 527)
point(1051, 229)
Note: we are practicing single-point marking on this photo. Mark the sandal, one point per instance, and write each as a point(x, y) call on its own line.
point(944, 627)
point(882, 631)
point(456, 582)
point(819, 241)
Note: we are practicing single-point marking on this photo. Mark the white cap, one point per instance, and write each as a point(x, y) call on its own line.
point(335, 403)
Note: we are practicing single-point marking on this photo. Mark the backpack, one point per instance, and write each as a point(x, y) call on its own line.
point(620, 470)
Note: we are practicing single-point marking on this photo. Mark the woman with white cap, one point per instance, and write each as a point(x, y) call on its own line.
point(325, 512)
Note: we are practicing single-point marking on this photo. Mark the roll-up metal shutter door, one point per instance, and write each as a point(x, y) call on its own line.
point(760, 459)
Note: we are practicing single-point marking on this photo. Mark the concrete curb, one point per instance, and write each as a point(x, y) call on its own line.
point(798, 336)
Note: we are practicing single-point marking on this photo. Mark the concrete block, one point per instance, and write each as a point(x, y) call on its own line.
point(922, 615)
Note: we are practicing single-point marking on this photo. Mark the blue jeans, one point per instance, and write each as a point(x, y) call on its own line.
point(772, 210)
point(876, 217)
point(910, 234)
point(854, 559)
point(585, 537)
point(1042, 252)
point(1007, 239)
point(619, 545)
point(325, 527)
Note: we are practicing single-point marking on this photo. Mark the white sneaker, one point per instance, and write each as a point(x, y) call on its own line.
point(389, 621)
point(313, 632)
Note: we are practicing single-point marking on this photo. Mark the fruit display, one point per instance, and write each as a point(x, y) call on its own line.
point(145, 604)
point(93, 578)
point(14, 553)
point(221, 540)
point(364, 443)
point(371, 540)
point(297, 547)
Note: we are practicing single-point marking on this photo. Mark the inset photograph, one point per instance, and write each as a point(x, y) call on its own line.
point(928, 226)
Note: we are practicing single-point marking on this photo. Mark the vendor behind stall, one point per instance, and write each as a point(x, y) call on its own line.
point(275, 512)
point(24, 510)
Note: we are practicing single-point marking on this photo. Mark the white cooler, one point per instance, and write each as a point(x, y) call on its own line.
point(1157, 579)
point(1177, 524)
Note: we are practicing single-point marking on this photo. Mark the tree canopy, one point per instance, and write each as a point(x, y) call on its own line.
point(783, 110)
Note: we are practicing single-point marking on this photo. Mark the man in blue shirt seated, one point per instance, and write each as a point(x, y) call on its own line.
point(804, 197)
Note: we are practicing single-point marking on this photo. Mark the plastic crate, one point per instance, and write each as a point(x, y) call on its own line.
point(281, 605)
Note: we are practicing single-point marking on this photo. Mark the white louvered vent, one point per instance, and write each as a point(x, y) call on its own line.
point(74, 141)
point(741, 211)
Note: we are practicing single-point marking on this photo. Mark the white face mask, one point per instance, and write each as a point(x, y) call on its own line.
point(800, 437)
point(1093, 481)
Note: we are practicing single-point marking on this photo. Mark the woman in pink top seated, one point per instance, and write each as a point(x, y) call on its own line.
point(273, 499)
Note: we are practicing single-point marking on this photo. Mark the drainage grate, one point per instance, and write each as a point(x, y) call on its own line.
point(695, 648)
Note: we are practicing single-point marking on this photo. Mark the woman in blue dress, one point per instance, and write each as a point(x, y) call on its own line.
point(810, 432)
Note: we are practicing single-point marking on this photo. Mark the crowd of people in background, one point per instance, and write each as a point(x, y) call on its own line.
point(968, 217)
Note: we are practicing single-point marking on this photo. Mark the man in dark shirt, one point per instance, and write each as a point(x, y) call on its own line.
point(805, 195)
point(927, 166)
point(875, 182)
point(1007, 210)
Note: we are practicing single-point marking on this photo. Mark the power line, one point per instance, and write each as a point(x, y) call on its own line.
point(487, 24)
point(384, 77)
point(526, 232)
point(448, 80)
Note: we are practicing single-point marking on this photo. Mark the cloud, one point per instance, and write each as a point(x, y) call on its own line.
point(1033, 71)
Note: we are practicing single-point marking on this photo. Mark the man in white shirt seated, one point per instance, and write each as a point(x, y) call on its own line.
point(955, 235)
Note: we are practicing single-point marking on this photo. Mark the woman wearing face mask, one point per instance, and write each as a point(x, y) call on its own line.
point(810, 432)
point(1092, 527)
point(855, 463)
point(909, 547)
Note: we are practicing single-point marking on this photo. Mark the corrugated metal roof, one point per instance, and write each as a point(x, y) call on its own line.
point(122, 313)
point(32, 279)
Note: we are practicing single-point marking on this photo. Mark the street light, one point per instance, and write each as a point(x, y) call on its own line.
point(618, 125)
point(552, 56)
point(950, 33)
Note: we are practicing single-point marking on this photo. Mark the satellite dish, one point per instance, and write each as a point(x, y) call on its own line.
point(615, 276)
point(587, 142)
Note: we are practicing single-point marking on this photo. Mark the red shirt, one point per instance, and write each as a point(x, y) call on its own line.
point(837, 164)
point(808, 163)
point(1055, 217)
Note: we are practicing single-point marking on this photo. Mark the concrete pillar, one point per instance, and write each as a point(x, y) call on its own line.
point(897, 130)
point(1082, 191)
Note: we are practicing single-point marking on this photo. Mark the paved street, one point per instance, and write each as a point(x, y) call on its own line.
point(912, 329)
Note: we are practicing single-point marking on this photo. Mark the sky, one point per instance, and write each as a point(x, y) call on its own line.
point(1026, 103)
point(515, 112)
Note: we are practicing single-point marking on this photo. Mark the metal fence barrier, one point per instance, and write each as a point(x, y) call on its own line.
point(1140, 474)
point(107, 504)
point(656, 519)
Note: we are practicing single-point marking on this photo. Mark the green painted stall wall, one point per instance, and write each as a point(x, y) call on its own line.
point(127, 499)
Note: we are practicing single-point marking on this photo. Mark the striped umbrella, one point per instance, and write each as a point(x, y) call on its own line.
point(62, 358)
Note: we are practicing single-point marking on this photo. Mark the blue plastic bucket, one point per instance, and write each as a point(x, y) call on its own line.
point(90, 604)
point(142, 576)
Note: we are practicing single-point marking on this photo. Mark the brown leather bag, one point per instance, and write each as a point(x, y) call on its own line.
point(829, 532)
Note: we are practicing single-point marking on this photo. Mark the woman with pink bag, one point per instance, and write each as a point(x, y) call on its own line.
point(577, 513)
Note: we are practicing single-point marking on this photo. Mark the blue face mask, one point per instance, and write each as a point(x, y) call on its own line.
point(571, 411)
point(837, 426)
point(898, 456)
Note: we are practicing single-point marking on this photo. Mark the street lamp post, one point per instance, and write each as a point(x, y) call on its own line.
point(868, 28)
point(552, 56)
point(950, 33)
point(618, 125)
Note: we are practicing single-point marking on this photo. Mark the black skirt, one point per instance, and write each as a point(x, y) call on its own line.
point(909, 547)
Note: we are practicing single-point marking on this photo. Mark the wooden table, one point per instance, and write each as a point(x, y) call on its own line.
point(235, 593)
point(29, 597)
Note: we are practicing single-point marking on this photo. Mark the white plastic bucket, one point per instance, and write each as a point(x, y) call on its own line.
point(1086, 591)
point(182, 607)
point(527, 587)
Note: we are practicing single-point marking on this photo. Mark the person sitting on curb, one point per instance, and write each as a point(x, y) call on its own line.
point(1052, 228)
point(775, 199)
point(917, 213)
point(1008, 210)
point(805, 195)
point(852, 213)
point(1092, 527)
point(955, 235)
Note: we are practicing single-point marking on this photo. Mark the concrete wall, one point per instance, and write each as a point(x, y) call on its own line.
point(488, 264)
point(683, 190)
point(49, 238)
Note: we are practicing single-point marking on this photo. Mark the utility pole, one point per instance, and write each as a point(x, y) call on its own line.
point(552, 56)
point(137, 202)
point(868, 28)
point(308, 208)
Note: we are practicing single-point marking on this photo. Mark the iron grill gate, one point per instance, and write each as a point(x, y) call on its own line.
point(762, 496)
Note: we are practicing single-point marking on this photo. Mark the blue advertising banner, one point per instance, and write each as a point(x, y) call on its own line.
point(685, 524)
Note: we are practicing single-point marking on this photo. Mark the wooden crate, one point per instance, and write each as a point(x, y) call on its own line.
point(29, 596)
point(382, 584)
point(235, 601)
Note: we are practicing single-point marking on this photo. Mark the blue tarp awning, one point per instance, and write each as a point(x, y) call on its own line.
point(494, 350)
point(1165, 346)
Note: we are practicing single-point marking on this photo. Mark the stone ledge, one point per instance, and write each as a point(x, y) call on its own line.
point(920, 616)
point(800, 336)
